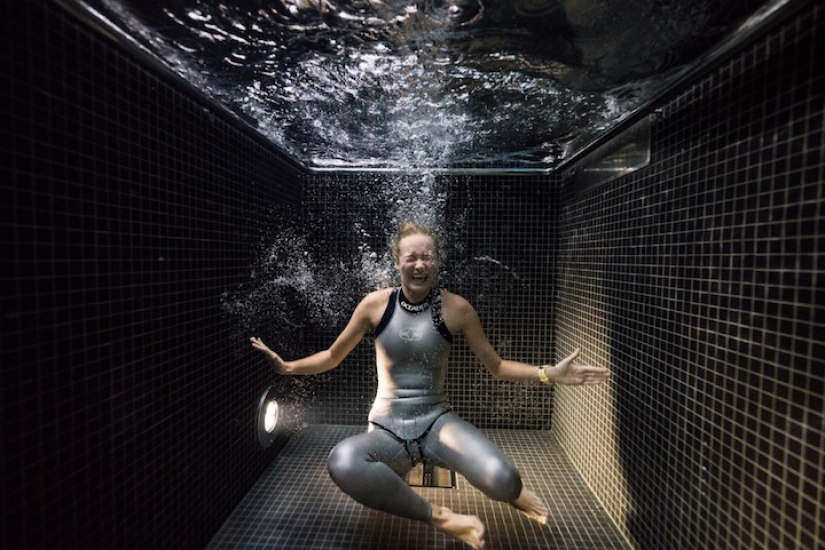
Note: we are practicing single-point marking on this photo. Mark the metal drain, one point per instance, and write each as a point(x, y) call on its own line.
point(427, 475)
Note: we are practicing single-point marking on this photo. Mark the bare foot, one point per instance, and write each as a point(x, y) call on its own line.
point(531, 506)
point(467, 529)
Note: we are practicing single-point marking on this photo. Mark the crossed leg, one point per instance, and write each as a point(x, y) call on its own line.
point(458, 445)
point(370, 468)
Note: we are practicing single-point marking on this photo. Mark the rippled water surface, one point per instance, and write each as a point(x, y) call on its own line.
point(434, 83)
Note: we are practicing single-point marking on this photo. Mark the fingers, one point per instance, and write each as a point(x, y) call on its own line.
point(592, 369)
point(587, 374)
point(593, 375)
point(258, 344)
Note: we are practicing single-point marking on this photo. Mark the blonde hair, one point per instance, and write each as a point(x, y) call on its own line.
point(412, 228)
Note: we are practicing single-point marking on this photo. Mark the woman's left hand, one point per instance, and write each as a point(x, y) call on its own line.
point(567, 372)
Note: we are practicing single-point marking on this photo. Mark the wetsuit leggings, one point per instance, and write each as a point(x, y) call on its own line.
point(370, 466)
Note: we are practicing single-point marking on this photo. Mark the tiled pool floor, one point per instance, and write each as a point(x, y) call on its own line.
point(295, 505)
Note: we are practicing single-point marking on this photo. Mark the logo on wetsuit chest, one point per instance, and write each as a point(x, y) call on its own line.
point(410, 334)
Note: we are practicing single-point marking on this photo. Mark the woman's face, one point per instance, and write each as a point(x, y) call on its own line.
point(417, 263)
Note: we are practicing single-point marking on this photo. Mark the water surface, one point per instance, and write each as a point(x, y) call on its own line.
point(375, 84)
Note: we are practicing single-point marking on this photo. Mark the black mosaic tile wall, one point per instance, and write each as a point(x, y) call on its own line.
point(498, 238)
point(127, 395)
point(701, 280)
point(132, 216)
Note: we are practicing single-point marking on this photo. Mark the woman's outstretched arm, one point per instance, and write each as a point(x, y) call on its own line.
point(363, 319)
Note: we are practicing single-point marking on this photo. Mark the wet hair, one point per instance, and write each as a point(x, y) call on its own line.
point(412, 228)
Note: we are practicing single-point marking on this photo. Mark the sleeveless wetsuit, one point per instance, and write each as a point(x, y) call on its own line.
point(411, 355)
point(411, 421)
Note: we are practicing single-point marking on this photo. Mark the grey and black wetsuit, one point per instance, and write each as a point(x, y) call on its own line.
point(411, 354)
point(411, 420)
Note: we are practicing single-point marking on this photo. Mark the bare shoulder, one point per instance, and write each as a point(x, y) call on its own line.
point(458, 311)
point(454, 301)
point(380, 296)
point(372, 306)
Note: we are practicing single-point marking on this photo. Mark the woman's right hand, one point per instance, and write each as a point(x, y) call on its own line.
point(276, 360)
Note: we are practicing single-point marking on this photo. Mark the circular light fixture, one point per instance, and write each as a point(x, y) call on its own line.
point(271, 416)
point(268, 415)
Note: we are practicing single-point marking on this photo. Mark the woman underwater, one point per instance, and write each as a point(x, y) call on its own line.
point(411, 420)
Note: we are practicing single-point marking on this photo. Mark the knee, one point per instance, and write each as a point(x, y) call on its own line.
point(503, 481)
point(343, 464)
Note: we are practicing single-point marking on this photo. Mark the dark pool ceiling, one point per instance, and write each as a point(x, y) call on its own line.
point(436, 84)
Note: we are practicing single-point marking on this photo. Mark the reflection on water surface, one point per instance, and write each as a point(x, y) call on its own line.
point(460, 84)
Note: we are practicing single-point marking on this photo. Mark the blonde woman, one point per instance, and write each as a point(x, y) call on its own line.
point(411, 420)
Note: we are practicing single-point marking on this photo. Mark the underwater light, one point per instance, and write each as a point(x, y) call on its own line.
point(271, 416)
point(268, 415)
